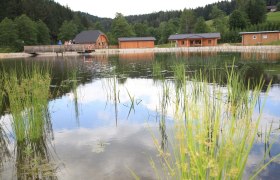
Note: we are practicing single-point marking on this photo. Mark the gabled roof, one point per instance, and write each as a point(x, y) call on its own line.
point(259, 32)
point(90, 36)
point(137, 39)
point(194, 36)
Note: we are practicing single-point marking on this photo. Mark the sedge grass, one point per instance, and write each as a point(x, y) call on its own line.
point(27, 89)
point(28, 93)
point(213, 132)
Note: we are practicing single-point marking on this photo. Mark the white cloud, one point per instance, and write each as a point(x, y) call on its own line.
point(108, 8)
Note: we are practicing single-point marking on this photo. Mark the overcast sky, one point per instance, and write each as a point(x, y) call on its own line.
point(108, 8)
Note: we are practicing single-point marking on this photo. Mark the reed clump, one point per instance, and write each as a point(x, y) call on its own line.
point(214, 129)
point(28, 92)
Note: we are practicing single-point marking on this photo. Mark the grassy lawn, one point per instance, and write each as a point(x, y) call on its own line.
point(273, 43)
point(168, 45)
point(273, 16)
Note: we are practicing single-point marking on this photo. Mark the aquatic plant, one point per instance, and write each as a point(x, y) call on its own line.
point(213, 132)
point(27, 89)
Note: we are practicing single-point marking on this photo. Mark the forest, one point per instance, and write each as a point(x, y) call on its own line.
point(42, 22)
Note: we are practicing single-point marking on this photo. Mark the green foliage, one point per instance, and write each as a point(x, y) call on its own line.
point(256, 11)
point(67, 31)
point(141, 29)
point(267, 26)
point(231, 36)
point(27, 30)
point(43, 33)
point(187, 21)
point(219, 20)
point(213, 131)
point(201, 26)
point(8, 33)
point(98, 26)
point(238, 20)
point(166, 29)
point(278, 6)
point(121, 28)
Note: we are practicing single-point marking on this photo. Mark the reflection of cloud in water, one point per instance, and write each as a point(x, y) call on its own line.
point(140, 88)
point(127, 146)
point(256, 160)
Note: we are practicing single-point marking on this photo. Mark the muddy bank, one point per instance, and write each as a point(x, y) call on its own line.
point(251, 49)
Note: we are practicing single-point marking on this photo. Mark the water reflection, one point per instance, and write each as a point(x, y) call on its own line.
point(99, 106)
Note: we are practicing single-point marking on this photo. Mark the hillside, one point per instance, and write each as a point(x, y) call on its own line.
point(273, 16)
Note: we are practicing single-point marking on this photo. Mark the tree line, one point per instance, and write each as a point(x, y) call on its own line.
point(36, 22)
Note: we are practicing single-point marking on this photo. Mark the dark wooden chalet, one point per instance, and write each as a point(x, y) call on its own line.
point(94, 38)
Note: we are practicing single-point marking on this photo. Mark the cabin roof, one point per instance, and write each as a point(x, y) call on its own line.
point(194, 36)
point(89, 36)
point(136, 39)
point(259, 32)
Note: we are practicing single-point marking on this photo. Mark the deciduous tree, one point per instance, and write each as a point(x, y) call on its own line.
point(219, 20)
point(238, 20)
point(201, 26)
point(43, 33)
point(8, 33)
point(67, 31)
point(27, 30)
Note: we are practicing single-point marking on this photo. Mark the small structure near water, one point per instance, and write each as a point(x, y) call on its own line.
point(136, 42)
point(195, 40)
point(260, 37)
point(85, 42)
point(94, 38)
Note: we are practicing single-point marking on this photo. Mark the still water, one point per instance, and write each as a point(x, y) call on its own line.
point(96, 131)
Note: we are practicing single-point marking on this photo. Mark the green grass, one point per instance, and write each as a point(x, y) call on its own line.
point(273, 43)
point(213, 133)
point(168, 45)
point(273, 16)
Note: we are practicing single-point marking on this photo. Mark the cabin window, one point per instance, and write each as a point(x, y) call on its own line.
point(265, 36)
point(209, 41)
point(183, 42)
point(254, 37)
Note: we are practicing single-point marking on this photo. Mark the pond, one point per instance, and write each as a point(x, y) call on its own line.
point(105, 112)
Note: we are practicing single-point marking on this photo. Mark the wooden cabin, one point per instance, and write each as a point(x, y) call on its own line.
point(94, 38)
point(136, 42)
point(195, 40)
point(260, 37)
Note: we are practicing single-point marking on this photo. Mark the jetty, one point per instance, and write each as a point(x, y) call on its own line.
point(79, 48)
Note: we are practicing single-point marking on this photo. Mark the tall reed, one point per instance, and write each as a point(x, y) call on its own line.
point(213, 132)
point(27, 89)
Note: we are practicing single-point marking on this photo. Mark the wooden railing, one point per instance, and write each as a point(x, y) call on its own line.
point(80, 48)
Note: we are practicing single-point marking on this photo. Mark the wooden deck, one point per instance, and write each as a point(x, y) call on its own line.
point(79, 48)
